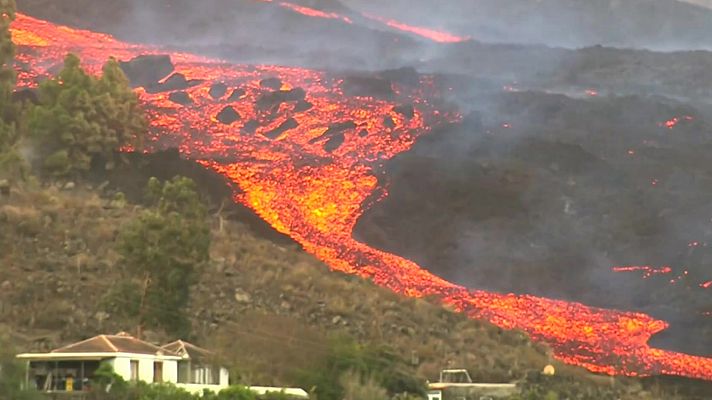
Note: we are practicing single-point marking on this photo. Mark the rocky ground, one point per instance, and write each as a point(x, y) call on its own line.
point(545, 194)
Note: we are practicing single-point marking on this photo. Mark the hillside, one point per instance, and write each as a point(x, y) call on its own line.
point(653, 24)
point(269, 309)
point(545, 194)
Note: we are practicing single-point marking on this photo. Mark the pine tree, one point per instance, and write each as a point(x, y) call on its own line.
point(82, 120)
point(162, 250)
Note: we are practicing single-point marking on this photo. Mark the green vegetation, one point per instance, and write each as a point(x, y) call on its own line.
point(162, 251)
point(352, 371)
point(10, 161)
point(12, 375)
point(79, 122)
point(82, 120)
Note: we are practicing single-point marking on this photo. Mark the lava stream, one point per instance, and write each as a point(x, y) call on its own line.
point(312, 186)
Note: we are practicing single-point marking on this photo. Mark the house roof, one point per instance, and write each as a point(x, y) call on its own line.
point(188, 350)
point(119, 343)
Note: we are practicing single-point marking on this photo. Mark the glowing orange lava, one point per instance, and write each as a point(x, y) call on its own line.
point(311, 182)
point(427, 33)
point(310, 12)
point(647, 270)
point(432, 34)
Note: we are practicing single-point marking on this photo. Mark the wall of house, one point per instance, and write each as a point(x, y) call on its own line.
point(224, 377)
point(196, 388)
point(122, 366)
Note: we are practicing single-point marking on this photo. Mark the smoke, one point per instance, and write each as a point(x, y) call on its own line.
point(657, 24)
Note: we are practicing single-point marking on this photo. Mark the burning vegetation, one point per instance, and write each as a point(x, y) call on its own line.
point(302, 146)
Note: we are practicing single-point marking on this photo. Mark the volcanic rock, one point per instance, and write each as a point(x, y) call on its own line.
point(271, 83)
point(406, 76)
point(334, 130)
point(251, 126)
point(389, 123)
point(303, 105)
point(365, 86)
point(334, 142)
point(228, 115)
point(236, 95)
point(291, 123)
point(405, 110)
point(182, 98)
point(147, 70)
point(274, 99)
point(176, 81)
point(363, 133)
point(218, 90)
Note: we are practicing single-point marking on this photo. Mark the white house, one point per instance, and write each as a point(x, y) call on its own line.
point(71, 368)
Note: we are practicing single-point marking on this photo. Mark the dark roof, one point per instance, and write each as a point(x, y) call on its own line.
point(119, 343)
point(188, 349)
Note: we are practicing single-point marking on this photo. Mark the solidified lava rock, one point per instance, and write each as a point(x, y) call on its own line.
point(176, 81)
point(236, 95)
point(274, 99)
point(389, 123)
point(180, 98)
point(405, 110)
point(251, 126)
point(147, 70)
point(335, 130)
point(406, 76)
point(303, 105)
point(363, 133)
point(271, 83)
point(228, 115)
point(365, 86)
point(291, 123)
point(217, 90)
point(334, 142)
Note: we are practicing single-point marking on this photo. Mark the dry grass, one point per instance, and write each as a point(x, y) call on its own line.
point(268, 309)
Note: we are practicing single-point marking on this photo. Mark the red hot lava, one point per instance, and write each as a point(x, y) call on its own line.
point(648, 271)
point(315, 193)
point(427, 33)
point(432, 34)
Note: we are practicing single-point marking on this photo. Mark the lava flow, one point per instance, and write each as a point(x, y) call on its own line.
point(427, 33)
point(305, 165)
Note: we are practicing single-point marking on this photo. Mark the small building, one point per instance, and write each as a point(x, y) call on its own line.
point(198, 369)
point(71, 368)
point(456, 384)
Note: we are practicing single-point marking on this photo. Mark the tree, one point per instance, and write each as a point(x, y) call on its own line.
point(12, 375)
point(82, 120)
point(350, 363)
point(162, 249)
point(10, 161)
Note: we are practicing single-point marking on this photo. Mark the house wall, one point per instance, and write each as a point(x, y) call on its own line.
point(224, 377)
point(195, 388)
point(122, 366)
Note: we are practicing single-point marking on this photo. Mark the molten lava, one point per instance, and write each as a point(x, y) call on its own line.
point(647, 270)
point(432, 34)
point(310, 181)
point(427, 33)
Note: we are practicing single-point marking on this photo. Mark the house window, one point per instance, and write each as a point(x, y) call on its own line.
point(157, 372)
point(134, 370)
point(184, 372)
point(206, 375)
